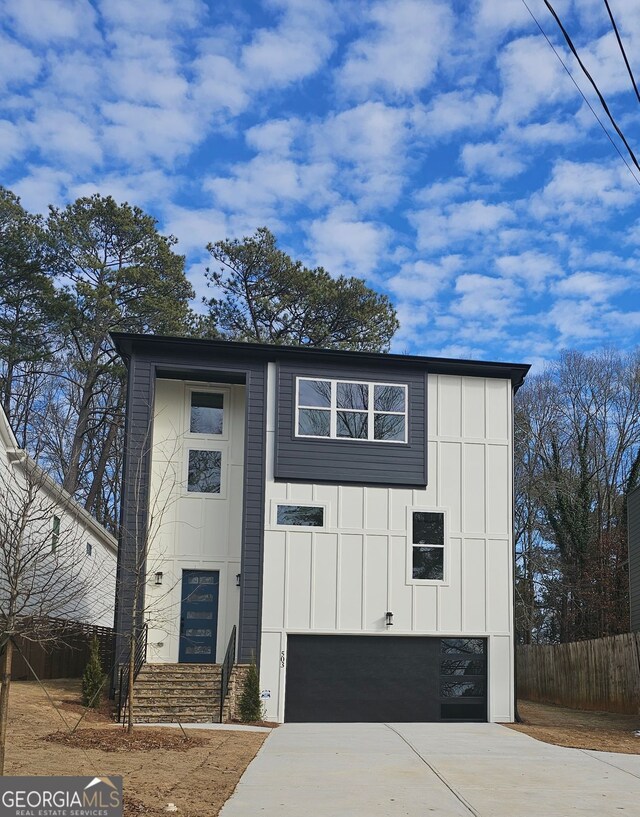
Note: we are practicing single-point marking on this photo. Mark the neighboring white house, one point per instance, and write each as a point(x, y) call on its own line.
point(349, 513)
point(69, 559)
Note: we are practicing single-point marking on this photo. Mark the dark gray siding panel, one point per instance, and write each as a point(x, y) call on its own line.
point(633, 523)
point(351, 461)
point(135, 499)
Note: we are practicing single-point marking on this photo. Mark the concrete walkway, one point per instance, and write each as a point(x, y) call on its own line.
point(416, 770)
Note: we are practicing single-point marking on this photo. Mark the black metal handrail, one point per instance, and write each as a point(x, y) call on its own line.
point(139, 658)
point(227, 668)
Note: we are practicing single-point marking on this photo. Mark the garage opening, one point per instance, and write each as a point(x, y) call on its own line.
point(373, 679)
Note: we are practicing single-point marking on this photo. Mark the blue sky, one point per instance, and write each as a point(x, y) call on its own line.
point(437, 149)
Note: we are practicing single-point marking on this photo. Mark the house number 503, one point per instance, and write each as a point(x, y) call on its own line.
point(282, 658)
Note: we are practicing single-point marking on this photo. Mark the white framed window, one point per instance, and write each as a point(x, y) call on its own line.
point(205, 473)
point(427, 535)
point(207, 411)
point(351, 410)
point(294, 514)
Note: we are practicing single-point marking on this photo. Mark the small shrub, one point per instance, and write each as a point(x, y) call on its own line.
point(250, 703)
point(93, 678)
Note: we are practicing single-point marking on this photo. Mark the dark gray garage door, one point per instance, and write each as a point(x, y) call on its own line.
point(385, 678)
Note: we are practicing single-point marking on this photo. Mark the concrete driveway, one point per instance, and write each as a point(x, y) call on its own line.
point(414, 770)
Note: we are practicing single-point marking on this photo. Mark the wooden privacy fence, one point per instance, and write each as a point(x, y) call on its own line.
point(602, 674)
point(65, 658)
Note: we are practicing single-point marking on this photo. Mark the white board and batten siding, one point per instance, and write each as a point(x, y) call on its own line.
point(344, 577)
point(192, 531)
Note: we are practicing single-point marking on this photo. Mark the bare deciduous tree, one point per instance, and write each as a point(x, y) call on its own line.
point(43, 567)
point(577, 456)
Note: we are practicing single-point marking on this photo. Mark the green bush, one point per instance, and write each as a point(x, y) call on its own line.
point(250, 703)
point(93, 678)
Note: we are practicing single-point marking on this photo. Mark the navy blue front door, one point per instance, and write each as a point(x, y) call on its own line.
point(199, 616)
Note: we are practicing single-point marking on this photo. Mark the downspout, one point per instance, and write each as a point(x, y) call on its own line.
point(516, 714)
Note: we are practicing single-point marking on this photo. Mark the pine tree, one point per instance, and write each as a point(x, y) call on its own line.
point(250, 703)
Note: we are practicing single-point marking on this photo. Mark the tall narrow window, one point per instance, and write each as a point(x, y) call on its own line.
point(55, 532)
point(428, 545)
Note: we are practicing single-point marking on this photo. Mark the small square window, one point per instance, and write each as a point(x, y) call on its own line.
point(314, 393)
point(388, 398)
point(89, 549)
point(353, 396)
point(352, 424)
point(205, 469)
point(207, 413)
point(310, 516)
point(428, 528)
point(314, 422)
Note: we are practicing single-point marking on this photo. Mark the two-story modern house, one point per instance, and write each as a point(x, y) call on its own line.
point(349, 512)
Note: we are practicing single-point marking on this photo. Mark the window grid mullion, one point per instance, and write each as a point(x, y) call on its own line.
point(333, 420)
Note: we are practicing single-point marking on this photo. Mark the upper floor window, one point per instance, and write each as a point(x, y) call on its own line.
point(207, 412)
point(345, 409)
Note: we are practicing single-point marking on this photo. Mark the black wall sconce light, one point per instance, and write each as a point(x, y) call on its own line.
point(389, 619)
point(159, 577)
point(238, 579)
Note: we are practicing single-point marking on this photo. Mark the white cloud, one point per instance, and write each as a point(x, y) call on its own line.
point(18, 64)
point(11, 143)
point(400, 55)
point(140, 133)
point(532, 78)
point(42, 186)
point(152, 16)
point(423, 281)
point(140, 189)
point(343, 244)
point(52, 20)
point(493, 18)
point(195, 228)
point(455, 111)
point(596, 287)
point(372, 141)
point(274, 136)
point(576, 321)
point(294, 49)
point(494, 159)
point(438, 228)
point(482, 296)
point(533, 268)
point(584, 191)
point(63, 136)
point(219, 85)
point(144, 70)
point(266, 184)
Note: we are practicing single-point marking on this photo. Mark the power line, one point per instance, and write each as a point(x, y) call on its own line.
point(624, 53)
point(592, 81)
point(581, 92)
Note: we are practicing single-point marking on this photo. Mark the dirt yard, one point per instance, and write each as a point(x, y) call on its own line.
point(603, 731)
point(198, 778)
